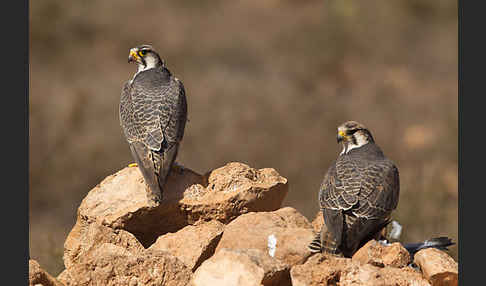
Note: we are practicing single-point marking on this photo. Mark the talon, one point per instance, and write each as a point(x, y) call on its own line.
point(133, 165)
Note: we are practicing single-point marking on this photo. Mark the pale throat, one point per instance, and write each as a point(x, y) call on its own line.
point(150, 64)
point(349, 145)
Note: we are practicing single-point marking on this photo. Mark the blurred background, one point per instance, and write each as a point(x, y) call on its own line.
point(267, 84)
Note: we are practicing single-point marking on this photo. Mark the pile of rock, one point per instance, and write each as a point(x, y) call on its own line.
point(226, 227)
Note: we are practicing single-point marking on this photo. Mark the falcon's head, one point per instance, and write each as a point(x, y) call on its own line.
point(145, 57)
point(353, 135)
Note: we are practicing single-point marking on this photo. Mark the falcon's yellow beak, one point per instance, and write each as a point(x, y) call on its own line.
point(341, 136)
point(133, 57)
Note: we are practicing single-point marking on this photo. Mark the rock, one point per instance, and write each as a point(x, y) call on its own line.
point(437, 266)
point(64, 277)
point(193, 244)
point(38, 276)
point(236, 189)
point(109, 264)
point(330, 270)
point(241, 267)
point(318, 270)
point(318, 222)
point(120, 200)
point(369, 275)
point(84, 237)
point(395, 255)
point(377, 254)
point(283, 234)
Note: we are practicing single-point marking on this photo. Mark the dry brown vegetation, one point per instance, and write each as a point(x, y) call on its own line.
point(267, 84)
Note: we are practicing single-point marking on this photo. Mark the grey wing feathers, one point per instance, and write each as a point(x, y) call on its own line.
point(173, 130)
point(155, 99)
point(153, 113)
point(341, 186)
point(380, 192)
point(369, 191)
point(357, 197)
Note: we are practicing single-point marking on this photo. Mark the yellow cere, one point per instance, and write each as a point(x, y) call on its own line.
point(133, 54)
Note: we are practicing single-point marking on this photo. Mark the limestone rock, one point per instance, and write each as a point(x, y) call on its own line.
point(395, 255)
point(318, 222)
point(369, 275)
point(120, 200)
point(283, 234)
point(329, 270)
point(437, 266)
point(85, 236)
point(193, 244)
point(38, 276)
point(241, 267)
point(109, 264)
point(318, 270)
point(235, 189)
point(64, 277)
point(378, 254)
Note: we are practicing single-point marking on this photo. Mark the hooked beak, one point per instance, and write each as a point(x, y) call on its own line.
point(341, 136)
point(133, 57)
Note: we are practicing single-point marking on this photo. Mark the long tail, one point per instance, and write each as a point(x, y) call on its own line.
point(437, 242)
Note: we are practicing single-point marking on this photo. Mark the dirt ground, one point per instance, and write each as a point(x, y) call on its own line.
point(267, 84)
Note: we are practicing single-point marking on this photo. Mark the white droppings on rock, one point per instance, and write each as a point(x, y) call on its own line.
point(272, 245)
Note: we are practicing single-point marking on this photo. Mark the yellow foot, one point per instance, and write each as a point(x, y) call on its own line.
point(133, 165)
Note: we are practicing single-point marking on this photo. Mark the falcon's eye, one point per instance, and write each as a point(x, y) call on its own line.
point(142, 53)
point(352, 131)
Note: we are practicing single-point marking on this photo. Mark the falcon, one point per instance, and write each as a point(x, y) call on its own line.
point(358, 193)
point(153, 114)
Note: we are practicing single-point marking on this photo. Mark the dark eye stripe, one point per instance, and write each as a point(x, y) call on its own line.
point(352, 131)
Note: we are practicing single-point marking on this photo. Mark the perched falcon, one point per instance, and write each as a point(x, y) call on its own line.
point(358, 193)
point(153, 114)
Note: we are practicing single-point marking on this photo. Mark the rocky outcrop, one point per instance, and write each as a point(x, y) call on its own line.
point(226, 227)
point(270, 241)
point(380, 255)
point(438, 267)
point(109, 264)
point(329, 270)
point(120, 200)
point(283, 234)
point(241, 267)
point(38, 276)
point(192, 244)
point(82, 239)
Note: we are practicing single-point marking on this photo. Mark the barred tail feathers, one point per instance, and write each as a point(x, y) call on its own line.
point(315, 245)
point(324, 242)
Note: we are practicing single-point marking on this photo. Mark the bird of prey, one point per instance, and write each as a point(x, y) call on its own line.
point(358, 193)
point(153, 114)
